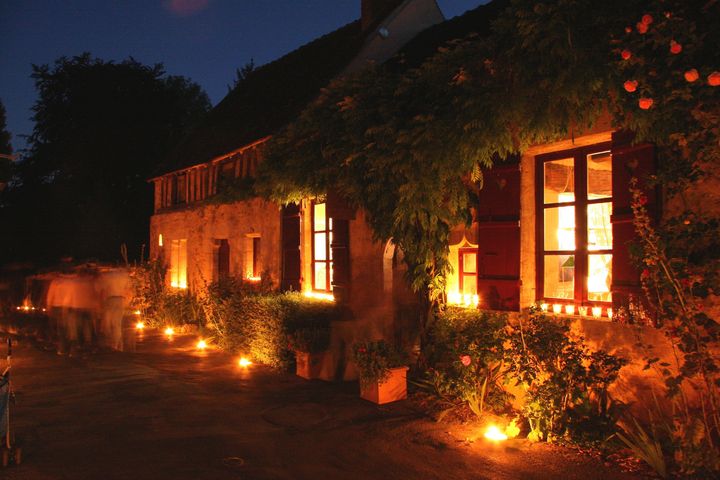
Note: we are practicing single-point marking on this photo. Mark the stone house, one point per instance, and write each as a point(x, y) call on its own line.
point(552, 226)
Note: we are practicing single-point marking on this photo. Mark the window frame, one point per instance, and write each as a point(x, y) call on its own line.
point(581, 252)
point(328, 250)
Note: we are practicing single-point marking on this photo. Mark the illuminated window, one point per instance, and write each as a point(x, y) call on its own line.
point(468, 271)
point(178, 263)
point(574, 229)
point(252, 257)
point(321, 251)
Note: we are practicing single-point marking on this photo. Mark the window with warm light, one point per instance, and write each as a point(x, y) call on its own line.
point(574, 229)
point(178, 263)
point(468, 271)
point(321, 251)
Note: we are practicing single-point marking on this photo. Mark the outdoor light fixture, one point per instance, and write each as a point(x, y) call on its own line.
point(169, 331)
point(160, 240)
point(570, 309)
point(557, 309)
point(139, 326)
point(597, 312)
point(201, 345)
point(494, 434)
point(244, 362)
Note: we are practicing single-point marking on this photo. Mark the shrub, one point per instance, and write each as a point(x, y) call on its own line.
point(313, 339)
point(567, 384)
point(374, 360)
point(466, 355)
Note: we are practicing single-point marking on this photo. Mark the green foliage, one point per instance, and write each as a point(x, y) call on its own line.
point(374, 360)
point(645, 447)
point(467, 358)
point(567, 385)
point(249, 318)
point(159, 305)
point(101, 130)
point(312, 339)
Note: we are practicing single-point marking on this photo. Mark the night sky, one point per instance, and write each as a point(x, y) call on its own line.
point(205, 40)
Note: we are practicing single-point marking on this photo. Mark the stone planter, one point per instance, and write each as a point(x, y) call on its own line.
point(394, 388)
point(309, 365)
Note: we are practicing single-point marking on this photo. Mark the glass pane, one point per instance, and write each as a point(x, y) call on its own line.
point(319, 217)
point(331, 240)
point(320, 276)
point(559, 181)
point(599, 278)
point(599, 226)
point(332, 275)
point(469, 262)
point(599, 175)
point(559, 276)
point(320, 251)
point(469, 285)
point(560, 228)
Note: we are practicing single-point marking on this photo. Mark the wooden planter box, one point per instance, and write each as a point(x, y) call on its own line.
point(391, 390)
point(309, 365)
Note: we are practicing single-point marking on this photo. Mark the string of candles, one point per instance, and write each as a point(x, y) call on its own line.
point(583, 311)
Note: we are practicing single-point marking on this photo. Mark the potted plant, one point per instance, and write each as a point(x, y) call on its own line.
point(382, 370)
point(310, 344)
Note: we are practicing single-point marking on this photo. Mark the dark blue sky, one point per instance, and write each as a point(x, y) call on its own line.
point(205, 40)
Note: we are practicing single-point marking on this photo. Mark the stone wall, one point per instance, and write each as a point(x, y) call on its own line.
point(202, 225)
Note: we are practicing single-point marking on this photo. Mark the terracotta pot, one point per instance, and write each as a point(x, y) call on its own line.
point(309, 365)
point(394, 388)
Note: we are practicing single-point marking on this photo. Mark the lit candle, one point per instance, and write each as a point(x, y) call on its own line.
point(597, 312)
point(583, 311)
point(557, 309)
point(570, 309)
point(544, 307)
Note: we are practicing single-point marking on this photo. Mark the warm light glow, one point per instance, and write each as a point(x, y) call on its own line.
point(250, 278)
point(160, 240)
point(139, 326)
point(466, 300)
point(494, 434)
point(26, 308)
point(169, 331)
point(544, 307)
point(320, 296)
point(597, 312)
point(610, 313)
point(557, 309)
point(244, 362)
point(137, 312)
point(570, 309)
point(583, 311)
point(201, 345)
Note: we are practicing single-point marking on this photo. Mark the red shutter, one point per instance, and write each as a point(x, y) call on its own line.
point(628, 161)
point(498, 226)
point(290, 247)
point(341, 259)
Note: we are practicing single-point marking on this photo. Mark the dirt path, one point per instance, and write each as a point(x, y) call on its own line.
point(166, 412)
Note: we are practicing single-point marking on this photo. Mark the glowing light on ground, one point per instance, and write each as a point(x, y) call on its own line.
point(137, 312)
point(169, 331)
point(244, 362)
point(140, 326)
point(201, 345)
point(494, 434)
